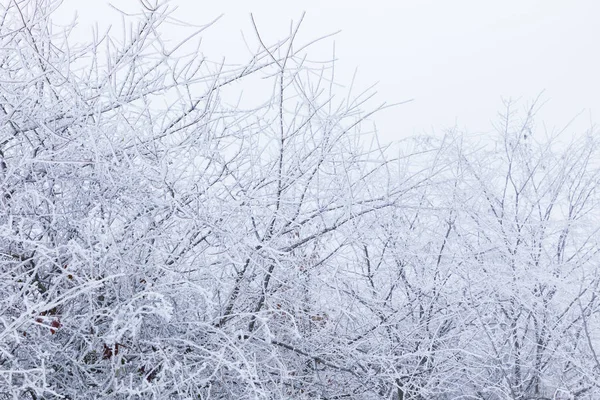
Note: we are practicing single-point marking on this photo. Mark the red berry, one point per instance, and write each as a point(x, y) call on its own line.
point(55, 324)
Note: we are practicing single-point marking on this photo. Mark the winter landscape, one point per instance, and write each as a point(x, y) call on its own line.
point(161, 240)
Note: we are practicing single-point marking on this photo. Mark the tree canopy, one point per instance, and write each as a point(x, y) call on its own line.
point(158, 241)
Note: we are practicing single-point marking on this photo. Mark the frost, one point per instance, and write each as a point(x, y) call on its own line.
point(159, 241)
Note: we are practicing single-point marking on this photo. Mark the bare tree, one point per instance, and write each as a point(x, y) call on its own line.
point(159, 240)
point(171, 251)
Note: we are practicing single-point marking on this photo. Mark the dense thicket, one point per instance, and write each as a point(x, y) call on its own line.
point(159, 242)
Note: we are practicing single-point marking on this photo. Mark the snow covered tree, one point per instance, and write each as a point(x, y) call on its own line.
point(172, 250)
point(158, 241)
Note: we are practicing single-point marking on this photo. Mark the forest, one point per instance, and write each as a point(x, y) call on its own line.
point(160, 241)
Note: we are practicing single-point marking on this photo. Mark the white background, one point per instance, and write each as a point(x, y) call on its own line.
point(456, 59)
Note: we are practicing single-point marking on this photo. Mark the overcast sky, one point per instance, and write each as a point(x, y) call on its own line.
point(456, 59)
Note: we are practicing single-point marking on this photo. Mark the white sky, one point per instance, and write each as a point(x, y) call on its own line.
point(456, 59)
